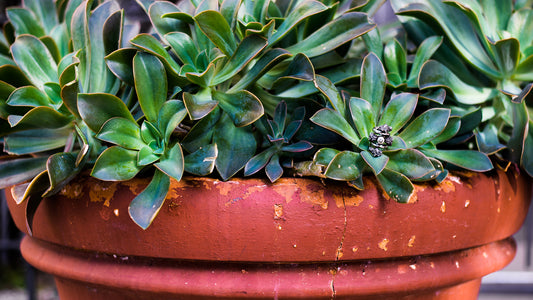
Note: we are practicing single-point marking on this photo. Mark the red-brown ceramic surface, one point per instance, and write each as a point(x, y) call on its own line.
point(297, 238)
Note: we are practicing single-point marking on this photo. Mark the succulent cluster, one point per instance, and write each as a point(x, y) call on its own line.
point(228, 88)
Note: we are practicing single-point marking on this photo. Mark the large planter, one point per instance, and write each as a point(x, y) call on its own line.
point(294, 239)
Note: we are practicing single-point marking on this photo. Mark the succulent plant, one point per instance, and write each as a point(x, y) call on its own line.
point(229, 88)
point(493, 39)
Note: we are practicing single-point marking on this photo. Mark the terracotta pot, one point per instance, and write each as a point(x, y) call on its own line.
point(293, 239)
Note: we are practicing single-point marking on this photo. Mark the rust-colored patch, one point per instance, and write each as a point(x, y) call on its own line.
point(286, 188)
point(102, 191)
point(313, 195)
point(383, 244)
point(224, 188)
point(411, 242)
point(447, 185)
point(353, 201)
point(72, 190)
point(278, 211)
point(340, 253)
point(254, 189)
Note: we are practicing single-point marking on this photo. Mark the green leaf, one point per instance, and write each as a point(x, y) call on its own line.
point(145, 206)
point(116, 164)
point(259, 161)
point(24, 22)
point(507, 55)
point(410, 162)
point(301, 12)
point(488, 141)
point(16, 171)
point(147, 156)
point(247, 50)
point(183, 46)
point(61, 169)
point(362, 116)
point(273, 169)
point(395, 58)
point(30, 96)
point(95, 109)
point(332, 94)
point(34, 59)
point(236, 145)
point(324, 156)
point(377, 164)
point(151, 45)
point(451, 130)
point(45, 12)
point(398, 111)
point(467, 159)
point(396, 185)
point(217, 29)
point(172, 162)
point(424, 52)
point(520, 119)
point(170, 116)
point(200, 104)
point(202, 132)
point(343, 166)
point(425, 127)
point(151, 88)
point(242, 107)
point(335, 33)
point(332, 120)
point(266, 62)
point(527, 152)
point(521, 27)
point(202, 161)
point(36, 140)
point(120, 63)
point(163, 24)
point(40, 117)
point(373, 82)
point(122, 132)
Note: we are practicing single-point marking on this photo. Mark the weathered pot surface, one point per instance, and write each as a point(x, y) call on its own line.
point(295, 221)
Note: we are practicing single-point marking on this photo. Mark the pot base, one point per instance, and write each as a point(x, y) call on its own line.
point(89, 275)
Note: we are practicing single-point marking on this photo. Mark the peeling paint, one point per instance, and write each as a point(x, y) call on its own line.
point(278, 211)
point(467, 203)
point(102, 192)
point(402, 269)
point(411, 242)
point(354, 249)
point(72, 191)
point(446, 186)
point(413, 266)
point(443, 207)
point(383, 244)
point(116, 212)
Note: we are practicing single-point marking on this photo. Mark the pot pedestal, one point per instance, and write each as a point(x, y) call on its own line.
point(297, 238)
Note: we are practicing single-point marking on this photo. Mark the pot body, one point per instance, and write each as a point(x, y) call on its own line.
point(296, 238)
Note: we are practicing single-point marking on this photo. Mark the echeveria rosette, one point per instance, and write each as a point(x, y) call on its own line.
point(135, 146)
point(495, 39)
point(41, 87)
point(407, 157)
point(279, 133)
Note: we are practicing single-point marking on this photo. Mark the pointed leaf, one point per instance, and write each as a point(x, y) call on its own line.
point(424, 52)
point(362, 116)
point(120, 63)
point(19, 170)
point(145, 206)
point(170, 116)
point(332, 120)
point(335, 33)
point(215, 27)
point(151, 88)
point(24, 22)
point(36, 140)
point(467, 159)
point(488, 141)
point(273, 169)
point(259, 161)
point(373, 82)
point(164, 25)
point(396, 185)
point(40, 117)
point(30, 96)
point(298, 147)
point(247, 50)
point(377, 164)
point(61, 169)
point(200, 104)
point(172, 162)
point(425, 127)
point(343, 166)
point(395, 58)
point(411, 163)
point(183, 46)
point(122, 132)
point(399, 111)
point(332, 94)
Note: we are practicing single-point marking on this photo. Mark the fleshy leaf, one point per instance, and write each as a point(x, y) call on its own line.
point(150, 85)
point(398, 111)
point(425, 127)
point(373, 82)
point(122, 132)
point(467, 159)
point(97, 108)
point(242, 107)
point(411, 163)
point(61, 169)
point(259, 161)
point(332, 120)
point(343, 166)
point(116, 164)
point(273, 169)
point(377, 164)
point(16, 171)
point(145, 206)
point(172, 162)
point(214, 26)
point(362, 116)
point(396, 185)
point(34, 59)
point(332, 94)
point(202, 161)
